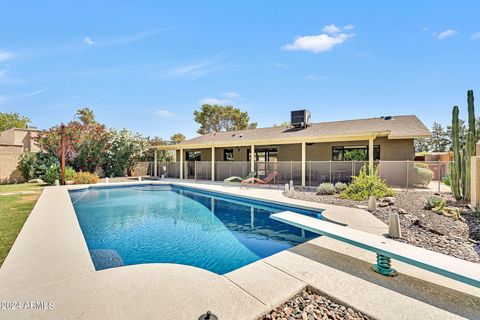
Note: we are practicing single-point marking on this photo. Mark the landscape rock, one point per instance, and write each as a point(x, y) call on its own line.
point(420, 227)
point(311, 305)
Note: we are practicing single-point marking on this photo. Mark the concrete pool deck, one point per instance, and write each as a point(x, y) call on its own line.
point(50, 262)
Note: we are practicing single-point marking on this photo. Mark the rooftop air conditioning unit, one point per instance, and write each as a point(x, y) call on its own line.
point(300, 118)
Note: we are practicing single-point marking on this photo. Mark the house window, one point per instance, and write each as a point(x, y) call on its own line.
point(227, 154)
point(359, 153)
point(264, 154)
point(194, 155)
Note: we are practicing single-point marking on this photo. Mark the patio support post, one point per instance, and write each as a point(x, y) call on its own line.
point(370, 155)
point(304, 153)
point(252, 158)
point(181, 163)
point(213, 163)
point(155, 163)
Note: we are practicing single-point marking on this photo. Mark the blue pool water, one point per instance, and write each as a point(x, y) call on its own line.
point(171, 224)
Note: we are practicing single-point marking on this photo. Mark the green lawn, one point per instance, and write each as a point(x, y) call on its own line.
point(14, 210)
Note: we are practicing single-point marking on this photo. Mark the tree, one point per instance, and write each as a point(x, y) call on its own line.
point(9, 120)
point(85, 115)
point(162, 155)
point(215, 118)
point(422, 145)
point(177, 138)
point(125, 150)
point(84, 144)
point(439, 141)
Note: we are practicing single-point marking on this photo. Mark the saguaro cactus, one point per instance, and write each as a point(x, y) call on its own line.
point(460, 168)
point(470, 147)
point(455, 167)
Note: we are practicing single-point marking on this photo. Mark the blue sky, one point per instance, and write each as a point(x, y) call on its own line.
point(147, 65)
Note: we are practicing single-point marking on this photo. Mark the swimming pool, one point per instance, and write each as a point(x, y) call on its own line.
point(174, 224)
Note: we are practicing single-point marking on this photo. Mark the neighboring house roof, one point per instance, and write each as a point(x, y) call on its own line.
point(399, 127)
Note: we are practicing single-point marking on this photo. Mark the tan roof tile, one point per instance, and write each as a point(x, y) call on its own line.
point(398, 127)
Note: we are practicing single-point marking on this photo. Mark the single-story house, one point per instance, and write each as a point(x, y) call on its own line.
point(384, 138)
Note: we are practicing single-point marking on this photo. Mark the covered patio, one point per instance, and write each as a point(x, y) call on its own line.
point(183, 149)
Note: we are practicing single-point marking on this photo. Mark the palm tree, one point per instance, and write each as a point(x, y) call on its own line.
point(85, 115)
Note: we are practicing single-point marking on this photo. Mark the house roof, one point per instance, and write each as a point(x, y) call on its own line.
point(399, 127)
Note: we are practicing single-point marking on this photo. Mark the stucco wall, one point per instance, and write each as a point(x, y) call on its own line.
point(389, 150)
point(9, 156)
point(23, 137)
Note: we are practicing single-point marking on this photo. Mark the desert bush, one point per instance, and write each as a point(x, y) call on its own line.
point(421, 165)
point(26, 165)
point(85, 178)
point(365, 185)
point(326, 188)
point(340, 186)
point(434, 202)
point(423, 176)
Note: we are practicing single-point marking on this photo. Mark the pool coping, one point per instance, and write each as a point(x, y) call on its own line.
point(53, 244)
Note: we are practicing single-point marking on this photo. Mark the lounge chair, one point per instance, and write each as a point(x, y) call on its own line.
point(240, 179)
point(260, 182)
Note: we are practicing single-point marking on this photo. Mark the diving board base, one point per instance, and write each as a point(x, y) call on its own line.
point(384, 266)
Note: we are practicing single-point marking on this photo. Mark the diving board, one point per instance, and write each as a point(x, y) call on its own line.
point(386, 249)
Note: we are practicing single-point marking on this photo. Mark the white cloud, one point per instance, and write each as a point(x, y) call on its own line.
point(331, 37)
point(215, 101)
point(164, 113)
point(231, 95)
point(445, 34)
point(88, 41)
point(331, 29)
point(319, 43)
point(5, 55)
point(475, 36)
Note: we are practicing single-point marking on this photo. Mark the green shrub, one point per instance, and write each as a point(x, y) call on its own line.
point(365, 185)
point(326, 188)
point(52, 174)
point(85, 178)
point(423, 176)
point(26, 165)
point(43, 162)
point(434, 202)
point(340, 186)
point(69, 174)
point(446, 180)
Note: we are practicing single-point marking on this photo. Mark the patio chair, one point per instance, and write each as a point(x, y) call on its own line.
point(260, 182)
point(240, 179)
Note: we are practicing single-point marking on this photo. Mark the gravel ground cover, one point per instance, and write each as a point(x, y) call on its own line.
point(310, 305)
point(420, 227)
